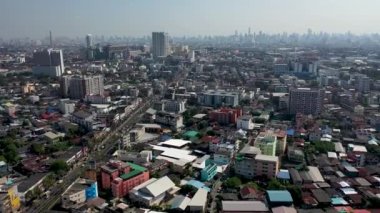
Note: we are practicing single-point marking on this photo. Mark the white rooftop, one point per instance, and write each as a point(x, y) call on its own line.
point(267, 158)
point(199, 199)
point(332, 155)
point(160, 186)
point(175, 142)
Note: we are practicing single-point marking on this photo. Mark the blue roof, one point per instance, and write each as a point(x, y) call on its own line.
point(338, 201)
point(198, 185)
point(283, 174)
point(279, 196)
point(290, 132)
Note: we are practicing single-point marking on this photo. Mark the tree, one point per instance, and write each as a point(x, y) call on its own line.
point(38, 149)
point(59, 166)
point(274, 184)
point(186, 189)
point(233, 182)
point(10, 153)
point(324, 147)
point(49, 181)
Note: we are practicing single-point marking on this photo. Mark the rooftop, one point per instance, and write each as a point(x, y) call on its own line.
point(279, 196)
point(244, 206)
point(136, 169)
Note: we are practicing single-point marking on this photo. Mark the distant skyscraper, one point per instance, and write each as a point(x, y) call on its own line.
point(88, 40)
point(48, 62)
point(160, 44)
point(306, 101)
point(78, 87)
point(51, 39)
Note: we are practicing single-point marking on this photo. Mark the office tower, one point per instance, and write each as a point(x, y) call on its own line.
point(160, 44)
point(78, 87)
point(306, 101)
point(48, 62)
point(88, 40)
point(51, 39)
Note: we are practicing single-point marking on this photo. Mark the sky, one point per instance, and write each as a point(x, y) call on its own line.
point(34, 18)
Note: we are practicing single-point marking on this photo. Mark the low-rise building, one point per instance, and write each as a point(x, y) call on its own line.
point(174, 121)
point(199, 201)
point(245, 123)
point(277, 198)
point(244, 206)
point(153, 191)
point(78, 193)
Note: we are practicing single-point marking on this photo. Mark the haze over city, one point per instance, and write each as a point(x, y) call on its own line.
point(195, 106)
point(34, 19)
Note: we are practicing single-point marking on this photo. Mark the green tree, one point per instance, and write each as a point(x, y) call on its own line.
point(49, 181)
point(38, 149)
point(323, 146)
point(59, 166)
point(232, 182)
point(10, 153)
point(274, 184)
point(186, 189)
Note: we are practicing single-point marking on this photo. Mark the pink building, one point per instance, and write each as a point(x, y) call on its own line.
point(225, 115)
point(121, 177)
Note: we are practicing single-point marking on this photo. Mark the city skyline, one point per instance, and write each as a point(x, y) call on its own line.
point(139, 18)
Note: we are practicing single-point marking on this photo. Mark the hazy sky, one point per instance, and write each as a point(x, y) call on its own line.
point(34, 18)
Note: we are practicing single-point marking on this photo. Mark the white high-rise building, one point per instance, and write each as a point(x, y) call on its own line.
point(160, 44)
point(88, 40)
point(78, 87)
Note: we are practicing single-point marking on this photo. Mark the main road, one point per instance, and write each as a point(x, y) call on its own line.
point(99, 154)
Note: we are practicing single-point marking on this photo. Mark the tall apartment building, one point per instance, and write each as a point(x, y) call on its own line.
point(216, 98)
point(122, 177)
point(78, 87)
point(266, 165)
point(160, 44)
point(306, 101)
point(363, 83)
point(48, 62)
point(225, 115)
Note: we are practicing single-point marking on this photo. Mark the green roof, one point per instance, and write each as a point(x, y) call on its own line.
point(135, 170)
point(191, 134)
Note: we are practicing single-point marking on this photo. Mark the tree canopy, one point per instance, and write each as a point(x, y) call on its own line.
point(59, 166)
point(233, 182)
